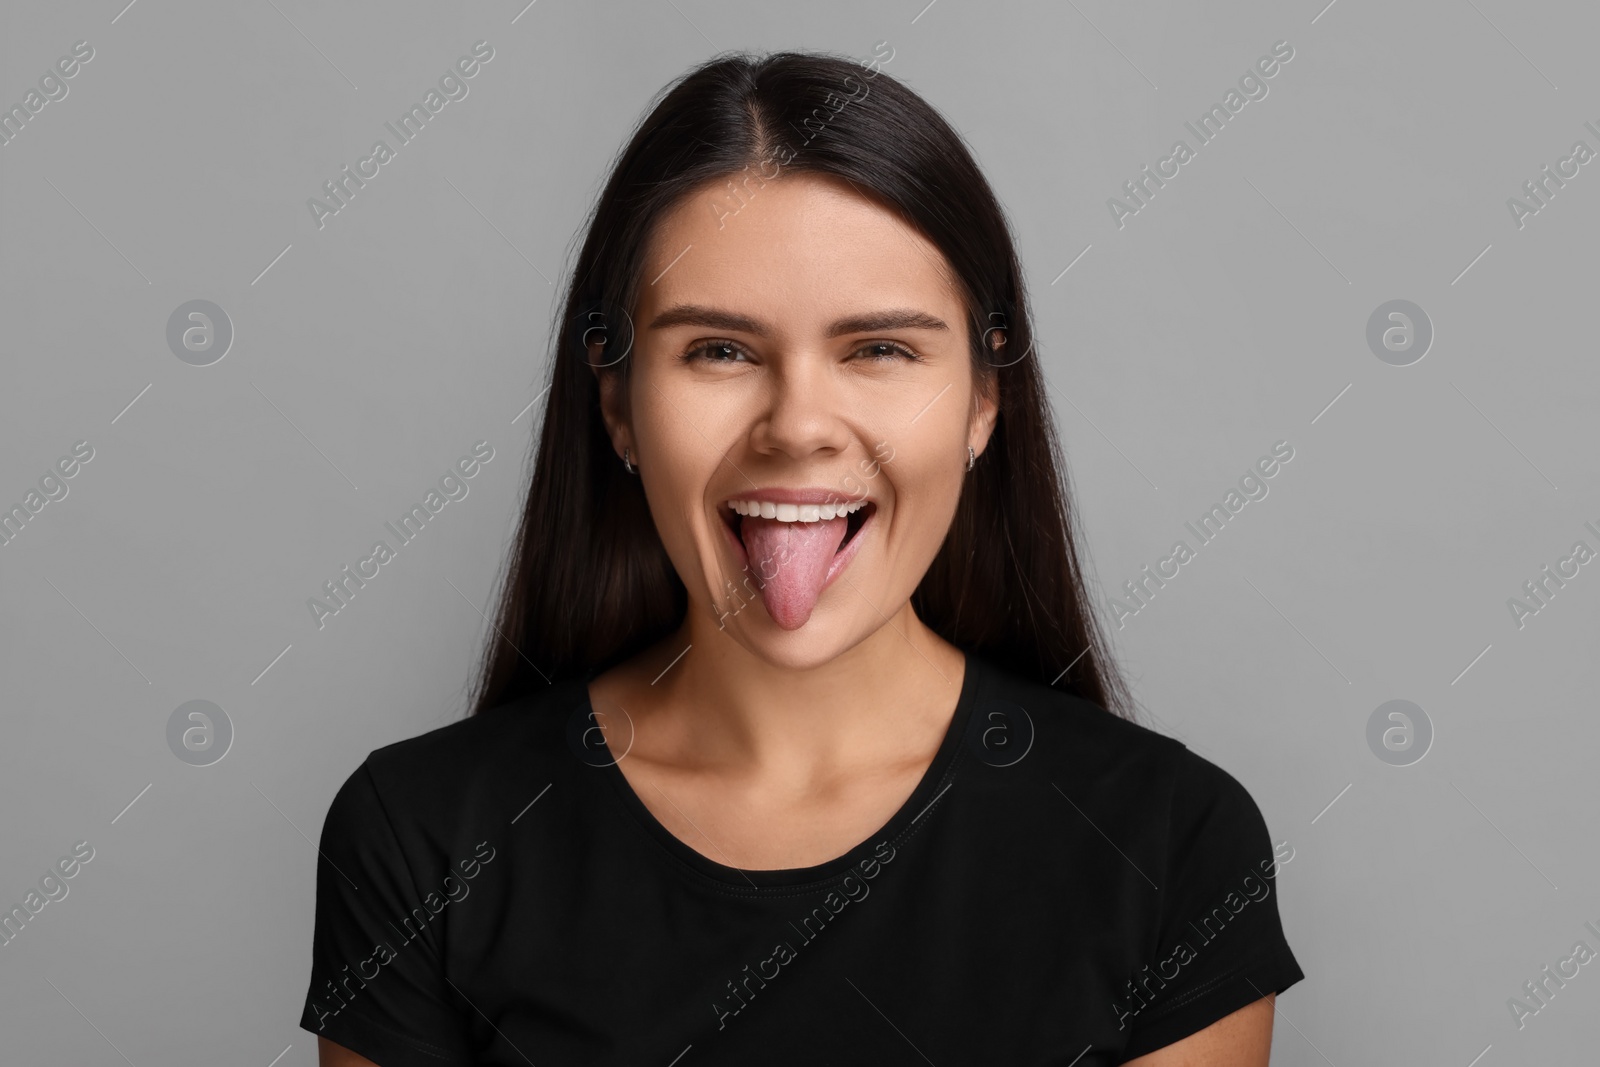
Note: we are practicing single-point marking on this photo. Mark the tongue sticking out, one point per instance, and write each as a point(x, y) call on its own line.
point(797, 555)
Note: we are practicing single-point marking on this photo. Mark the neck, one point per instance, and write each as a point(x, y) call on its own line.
point(722, 708)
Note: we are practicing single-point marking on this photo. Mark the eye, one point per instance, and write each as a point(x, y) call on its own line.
point(880, 351)
point(712, 352)
point(730, 352)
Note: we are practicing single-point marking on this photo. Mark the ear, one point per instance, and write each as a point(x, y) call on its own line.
point(985, 409)
point(614, 408)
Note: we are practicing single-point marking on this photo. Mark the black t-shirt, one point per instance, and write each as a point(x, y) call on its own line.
point(1063, 886)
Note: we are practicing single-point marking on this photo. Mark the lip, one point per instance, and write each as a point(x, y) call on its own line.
point(808, 495)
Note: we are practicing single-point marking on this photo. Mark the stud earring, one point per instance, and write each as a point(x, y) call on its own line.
point(972, 458)
point(626, 462)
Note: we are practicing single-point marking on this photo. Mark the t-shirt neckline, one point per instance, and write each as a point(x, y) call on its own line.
point(930, 786)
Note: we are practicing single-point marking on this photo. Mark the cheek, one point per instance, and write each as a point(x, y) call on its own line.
point(693, 422)
point(675, 489)
point(671, 509)
point(682, 436)
point(925, 485)
point(687, 439)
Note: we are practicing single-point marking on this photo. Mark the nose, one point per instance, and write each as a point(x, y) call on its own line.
point(804, 410)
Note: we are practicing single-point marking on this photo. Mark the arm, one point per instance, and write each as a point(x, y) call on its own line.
point(1242, 1039)
point(331, 1055)
point(378, 996)
point(1219, 927)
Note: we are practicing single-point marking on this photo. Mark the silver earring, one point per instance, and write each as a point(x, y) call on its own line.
point(972, 458)
point(625, 461)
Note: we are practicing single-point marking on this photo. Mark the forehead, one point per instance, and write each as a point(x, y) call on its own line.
point(799, 249)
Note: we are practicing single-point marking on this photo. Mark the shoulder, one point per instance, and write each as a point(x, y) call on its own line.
point(1062, 730)
point(526, 720)
point(1064, 743)
point(469, 772)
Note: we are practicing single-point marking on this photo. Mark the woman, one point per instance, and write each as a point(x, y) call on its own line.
point(793, 745)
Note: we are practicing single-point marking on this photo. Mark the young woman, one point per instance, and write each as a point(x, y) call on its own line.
point(797, 742)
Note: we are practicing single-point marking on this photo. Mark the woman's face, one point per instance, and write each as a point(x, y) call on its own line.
point(806, 344)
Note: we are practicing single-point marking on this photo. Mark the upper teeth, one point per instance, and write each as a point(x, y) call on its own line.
point(795, 512)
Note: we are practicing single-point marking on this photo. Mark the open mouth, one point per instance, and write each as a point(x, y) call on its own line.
point(853, 524)
point(794, 552)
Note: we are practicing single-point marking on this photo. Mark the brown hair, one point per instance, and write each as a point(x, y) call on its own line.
point(589, 583)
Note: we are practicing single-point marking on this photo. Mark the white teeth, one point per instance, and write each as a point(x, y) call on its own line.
point(795, 512)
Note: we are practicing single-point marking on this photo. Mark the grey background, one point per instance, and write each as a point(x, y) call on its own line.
point(1228, 314)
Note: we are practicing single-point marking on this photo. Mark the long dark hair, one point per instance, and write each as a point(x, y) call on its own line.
point(589, 583)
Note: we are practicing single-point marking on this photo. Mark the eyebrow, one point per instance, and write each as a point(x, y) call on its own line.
point(868, 322)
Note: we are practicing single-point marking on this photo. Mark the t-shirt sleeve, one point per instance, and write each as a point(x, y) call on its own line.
point(1221, 942)
point(377, 984)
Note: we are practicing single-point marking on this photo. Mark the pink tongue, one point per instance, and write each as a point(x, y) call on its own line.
point(797, 555)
